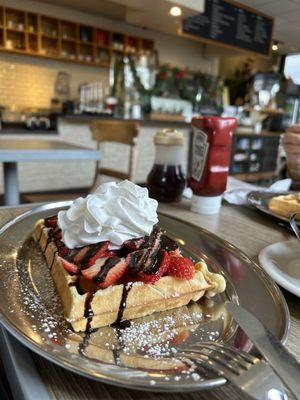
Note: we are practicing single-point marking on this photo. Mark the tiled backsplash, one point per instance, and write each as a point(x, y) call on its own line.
point(29, 81)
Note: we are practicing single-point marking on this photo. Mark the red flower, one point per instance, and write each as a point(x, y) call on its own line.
point(180, 74)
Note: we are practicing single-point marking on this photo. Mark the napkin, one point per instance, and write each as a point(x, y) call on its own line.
point(237, 191)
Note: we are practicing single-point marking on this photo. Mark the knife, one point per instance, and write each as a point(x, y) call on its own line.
point(283, 363)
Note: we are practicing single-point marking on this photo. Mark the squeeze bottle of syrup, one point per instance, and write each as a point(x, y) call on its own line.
point(212, 138)
point(166, 180)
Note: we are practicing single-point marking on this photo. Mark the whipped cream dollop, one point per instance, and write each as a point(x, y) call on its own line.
point(115, 212)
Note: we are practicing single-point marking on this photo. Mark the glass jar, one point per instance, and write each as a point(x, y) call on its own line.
point(166, 180)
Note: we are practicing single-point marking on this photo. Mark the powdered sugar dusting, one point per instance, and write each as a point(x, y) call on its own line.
point(156, 340)
point(33, 298)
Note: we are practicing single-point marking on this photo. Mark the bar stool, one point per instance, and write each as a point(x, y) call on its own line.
point(121, 132)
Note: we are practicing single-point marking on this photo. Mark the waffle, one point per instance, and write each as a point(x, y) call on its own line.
point(89, 309)
point(146, 343)
point(286, 205)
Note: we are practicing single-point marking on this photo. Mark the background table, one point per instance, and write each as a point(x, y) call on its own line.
point(243, 227)
point(14, 151)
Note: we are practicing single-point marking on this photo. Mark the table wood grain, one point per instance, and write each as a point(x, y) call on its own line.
point(243, 227)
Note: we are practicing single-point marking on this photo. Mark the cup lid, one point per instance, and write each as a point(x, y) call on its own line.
point(170, 137)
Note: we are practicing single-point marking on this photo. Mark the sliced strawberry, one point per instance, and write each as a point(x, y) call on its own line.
point(57, 235)
point(56, 341)
point(158, 270)
point(129, 276)
point(51, 222)
point(175, 253)
point(150, 279)
point(68, 266)
point(134, 244)
point(80, 254)
point(63, 251)
point(181, 337)
point(181, 267)
point(111, 253)
point(93, 270)
point(96, 252)
point(106, 271)
point(114, 274)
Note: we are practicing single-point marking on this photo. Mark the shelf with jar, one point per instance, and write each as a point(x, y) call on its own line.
point(102, 57)
point(33, 43)
point(15, 40)
point(86, 35)
point(49, 46)
point(103, 38)
point(147, 46)
point(1, 17)
point(39, 35)
point(85, 52)
point(68, 49)
point(32, 24)
point(1, 38)
point(14, 20)
point(68, 31)
point(49, 27)
point(132, 45)
point(118, 43)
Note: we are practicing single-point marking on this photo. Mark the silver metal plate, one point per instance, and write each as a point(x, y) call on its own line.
point(261, 200)
point(31, 310)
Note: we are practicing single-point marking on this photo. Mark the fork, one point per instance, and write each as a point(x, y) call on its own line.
point(294, 225)
point(248, 373)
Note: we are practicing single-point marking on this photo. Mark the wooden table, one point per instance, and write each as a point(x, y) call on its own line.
point(244, 228)
point(13, 151)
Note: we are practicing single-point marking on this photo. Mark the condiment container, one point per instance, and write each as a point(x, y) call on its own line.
point(166, 179)
point(211, 148)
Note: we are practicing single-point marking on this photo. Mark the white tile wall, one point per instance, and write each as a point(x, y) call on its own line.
point(29, 81)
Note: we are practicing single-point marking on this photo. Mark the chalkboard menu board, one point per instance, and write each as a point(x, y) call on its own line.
point(229, 23)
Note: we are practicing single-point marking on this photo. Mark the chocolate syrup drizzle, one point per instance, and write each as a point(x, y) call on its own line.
point(50, 239)
point(52, 262)
point(168, 243)
point(110, 263)
point(119, 325)
point(88, 314)
point(122, 306)
point(76, 283)
point(90, 253)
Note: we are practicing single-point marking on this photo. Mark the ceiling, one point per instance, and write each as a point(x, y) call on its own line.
point(153, 14)
point(104, 8)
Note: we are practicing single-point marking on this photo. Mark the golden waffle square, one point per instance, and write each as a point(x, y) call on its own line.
point(88, 309)
point(285, 205)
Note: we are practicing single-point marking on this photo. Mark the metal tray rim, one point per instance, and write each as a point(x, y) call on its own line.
point(161, 387)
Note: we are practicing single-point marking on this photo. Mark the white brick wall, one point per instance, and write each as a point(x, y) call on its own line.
point(29, 81)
